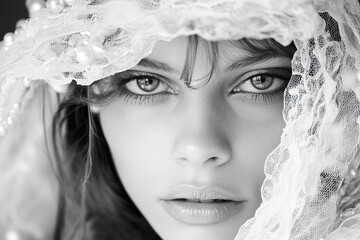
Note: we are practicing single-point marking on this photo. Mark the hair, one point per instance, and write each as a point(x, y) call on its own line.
point(93, 203)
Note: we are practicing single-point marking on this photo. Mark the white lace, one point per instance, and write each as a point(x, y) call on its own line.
point(87, 42)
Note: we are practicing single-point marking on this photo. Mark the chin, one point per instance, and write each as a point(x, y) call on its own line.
point(225, 230)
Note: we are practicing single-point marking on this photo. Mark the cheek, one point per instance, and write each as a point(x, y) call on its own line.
point(255, 131)
point(259, 133)
point(139, 147)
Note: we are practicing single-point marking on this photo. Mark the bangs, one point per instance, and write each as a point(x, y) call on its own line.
point(265, 46)
point(252, 47)
point(212, 53)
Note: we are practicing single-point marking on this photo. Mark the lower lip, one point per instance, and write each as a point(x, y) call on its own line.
point(201, 213)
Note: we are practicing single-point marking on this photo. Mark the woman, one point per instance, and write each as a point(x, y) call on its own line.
point(170, 139)
point(207, 136)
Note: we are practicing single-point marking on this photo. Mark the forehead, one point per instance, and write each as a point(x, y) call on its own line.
point(176, 53)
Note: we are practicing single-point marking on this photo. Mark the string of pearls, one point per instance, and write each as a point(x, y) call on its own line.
point(26, 88)
point(9, 39)
point(34, 6)
point(82, 54)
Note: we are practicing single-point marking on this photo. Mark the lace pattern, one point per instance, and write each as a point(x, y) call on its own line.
point(309, 192)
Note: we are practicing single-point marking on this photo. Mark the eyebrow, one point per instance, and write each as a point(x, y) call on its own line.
point(157, 65)
point(250, 60)
point(240, 63)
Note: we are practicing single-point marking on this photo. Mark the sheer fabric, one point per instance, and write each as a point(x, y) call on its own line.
point(311, 190)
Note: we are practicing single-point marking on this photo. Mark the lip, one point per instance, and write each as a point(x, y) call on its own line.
point(201, 205)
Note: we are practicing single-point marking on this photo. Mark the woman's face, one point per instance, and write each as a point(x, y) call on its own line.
point(192, 160)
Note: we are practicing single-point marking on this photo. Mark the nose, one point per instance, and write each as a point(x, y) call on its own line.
point(202, 138)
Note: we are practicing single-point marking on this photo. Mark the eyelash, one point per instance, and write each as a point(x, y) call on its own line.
point(152, 98)
point(267, 96)
point(142, 99)
point(136, 98)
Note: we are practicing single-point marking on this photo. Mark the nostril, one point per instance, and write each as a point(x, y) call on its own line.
point(216, 160)
point(212, 160)
point(203, 147)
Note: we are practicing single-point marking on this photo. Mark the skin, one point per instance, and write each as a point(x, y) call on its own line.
point(199, 137)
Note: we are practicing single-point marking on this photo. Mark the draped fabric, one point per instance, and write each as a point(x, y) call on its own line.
point(311, 189)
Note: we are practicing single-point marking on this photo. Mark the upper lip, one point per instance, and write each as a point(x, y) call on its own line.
point(203, 193)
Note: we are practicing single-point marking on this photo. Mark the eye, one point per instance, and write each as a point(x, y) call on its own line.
point(263, 81)
point(147, 85)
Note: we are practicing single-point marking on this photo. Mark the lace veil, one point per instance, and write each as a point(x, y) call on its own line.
point(312, 186)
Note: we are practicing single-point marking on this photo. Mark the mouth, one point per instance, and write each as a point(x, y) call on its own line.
point(202, 200)
point(204, 205)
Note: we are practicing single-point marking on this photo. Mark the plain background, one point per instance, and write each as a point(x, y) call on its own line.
point(10, 12)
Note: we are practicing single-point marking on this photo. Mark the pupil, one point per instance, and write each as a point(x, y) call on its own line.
point(262, 82)
point(147, 84)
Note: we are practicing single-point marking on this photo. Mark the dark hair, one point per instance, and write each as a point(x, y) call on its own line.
point(93, 203)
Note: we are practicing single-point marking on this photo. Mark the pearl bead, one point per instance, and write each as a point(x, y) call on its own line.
point(20, 23)
point(9, 120)
point(18, 32)
point(9, 39)
point(12, 235)
point(34, 6)
point(15, 109)
point(83, 56)
point(86, 36)
point(55, 6)
point(26, 82)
